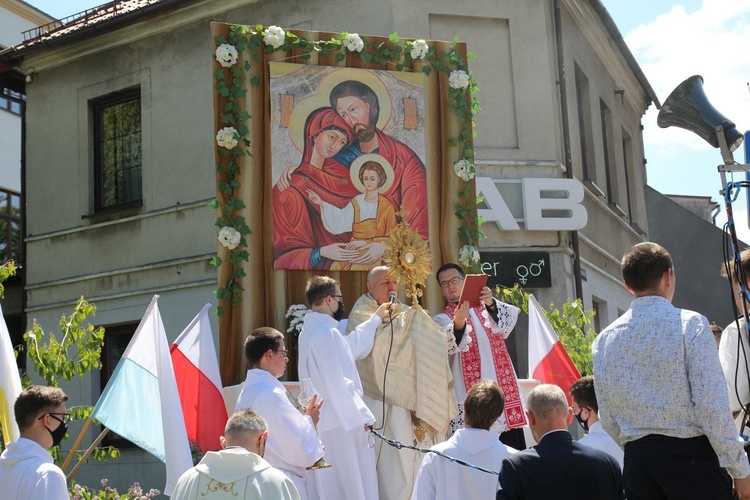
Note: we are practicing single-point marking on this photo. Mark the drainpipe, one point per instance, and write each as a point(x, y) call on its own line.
point(566, 139)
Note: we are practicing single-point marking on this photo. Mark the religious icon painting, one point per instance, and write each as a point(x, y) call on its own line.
point(347, 162)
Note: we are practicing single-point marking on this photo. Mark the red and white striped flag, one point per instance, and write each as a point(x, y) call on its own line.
point(549, 362)
point(196, 369)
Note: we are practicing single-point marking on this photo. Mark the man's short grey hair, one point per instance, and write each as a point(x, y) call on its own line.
point(244, 422)
point(545, 400)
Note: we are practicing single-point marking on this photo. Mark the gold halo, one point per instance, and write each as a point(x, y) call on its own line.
point(321, 99)
point(357, 166)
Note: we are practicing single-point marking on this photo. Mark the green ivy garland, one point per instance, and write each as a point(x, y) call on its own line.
point(233, 145)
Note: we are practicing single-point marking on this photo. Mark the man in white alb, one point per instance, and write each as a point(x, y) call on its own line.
point(294, 444)
point(327, 357)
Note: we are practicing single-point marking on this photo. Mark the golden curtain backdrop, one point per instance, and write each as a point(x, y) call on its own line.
point(268, 292)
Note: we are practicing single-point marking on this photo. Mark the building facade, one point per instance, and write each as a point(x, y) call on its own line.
point(561, 98)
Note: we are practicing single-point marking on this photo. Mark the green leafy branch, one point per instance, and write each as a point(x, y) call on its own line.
point(572, 324)
point(76, 353)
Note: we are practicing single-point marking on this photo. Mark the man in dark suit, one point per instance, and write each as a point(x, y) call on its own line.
point(557, 467)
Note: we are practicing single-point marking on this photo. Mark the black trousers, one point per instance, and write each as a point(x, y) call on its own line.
point(661, 467)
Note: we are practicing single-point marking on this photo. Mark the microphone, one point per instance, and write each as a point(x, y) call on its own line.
point(392, 299)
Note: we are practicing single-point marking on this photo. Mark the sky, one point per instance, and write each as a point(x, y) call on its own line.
point(671, 40)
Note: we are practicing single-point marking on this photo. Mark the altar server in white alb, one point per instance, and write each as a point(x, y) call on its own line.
point(327, 357)
point(27, 471)
point(238, 472)
point(442, 479)
point(293, 443)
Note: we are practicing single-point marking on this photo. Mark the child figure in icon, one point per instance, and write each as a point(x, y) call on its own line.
point(369, 216)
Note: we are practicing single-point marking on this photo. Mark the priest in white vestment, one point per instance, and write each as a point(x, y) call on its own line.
point(237, 472)
point(407, 384)
point(480, 333)
point(442, 479)
point(327, 357)
point(293, 443)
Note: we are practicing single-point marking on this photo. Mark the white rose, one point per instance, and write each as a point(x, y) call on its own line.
point(227, 137)
point(468, 255)
point(464, 169)
point(458, 79)
point(226, 55)
point(229, 237)
point(419, 49)
point(353, 42)
point(274, 36)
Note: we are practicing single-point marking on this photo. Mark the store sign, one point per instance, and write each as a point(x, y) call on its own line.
point(545, 204)
point(528, 269)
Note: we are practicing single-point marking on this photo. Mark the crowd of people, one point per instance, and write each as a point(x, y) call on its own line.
point(659, 411)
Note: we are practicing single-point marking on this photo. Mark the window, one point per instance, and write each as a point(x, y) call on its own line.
point(10, 226)
point(116, 340)
point(11, 101)
point(627, 148)
point(117, 151)
point(583, 106)
point(598, 307)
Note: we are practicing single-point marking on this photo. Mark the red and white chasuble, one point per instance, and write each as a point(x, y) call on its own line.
point(480, 323)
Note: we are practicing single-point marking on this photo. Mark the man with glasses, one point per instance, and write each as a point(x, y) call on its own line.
point(294, 444)
point(585, 410)
point(480, 351)
point(27, 471)
point(327, 357)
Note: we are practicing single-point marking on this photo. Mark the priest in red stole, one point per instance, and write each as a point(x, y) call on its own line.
point(481, 353)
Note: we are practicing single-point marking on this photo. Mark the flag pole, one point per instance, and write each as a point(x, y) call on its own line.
point(76, 444)
point(86, 455)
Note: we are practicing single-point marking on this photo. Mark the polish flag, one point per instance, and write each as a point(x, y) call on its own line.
point(198, 381)
point(549, 362)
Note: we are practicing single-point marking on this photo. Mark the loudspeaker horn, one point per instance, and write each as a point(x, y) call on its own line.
point(687, 107)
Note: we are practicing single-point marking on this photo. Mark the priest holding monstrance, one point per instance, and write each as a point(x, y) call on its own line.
point(406, 378)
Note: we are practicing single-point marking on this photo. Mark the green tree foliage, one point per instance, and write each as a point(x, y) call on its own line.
point(75, 352)
point(572, 324)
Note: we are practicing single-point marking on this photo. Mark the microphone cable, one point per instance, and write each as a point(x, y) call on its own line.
point(392, 297)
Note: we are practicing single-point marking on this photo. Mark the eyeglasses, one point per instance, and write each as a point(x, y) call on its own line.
point(452, 281)
point(337, 297)
point(65, 417)
point(284, 352)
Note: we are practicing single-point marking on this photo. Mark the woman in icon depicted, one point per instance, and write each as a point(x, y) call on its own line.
point(370, 216)
point(300, 240)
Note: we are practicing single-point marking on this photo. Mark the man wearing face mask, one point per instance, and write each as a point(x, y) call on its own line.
point(585, 410)
point(327, 357)
point(27, 471)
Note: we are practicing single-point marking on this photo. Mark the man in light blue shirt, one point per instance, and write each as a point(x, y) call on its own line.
point(662, 394)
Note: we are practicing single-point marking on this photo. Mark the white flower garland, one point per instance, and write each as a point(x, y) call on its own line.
point(229, 237)
point(353, 42)
point(226, 55)
point(468, 255)
point(419, 49)
point(274, 36)
point(458, 79)
point(227, 137)
point(464, 169)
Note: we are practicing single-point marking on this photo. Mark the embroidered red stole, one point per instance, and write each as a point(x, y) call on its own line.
point(471, 364)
